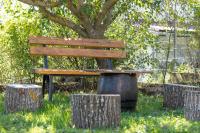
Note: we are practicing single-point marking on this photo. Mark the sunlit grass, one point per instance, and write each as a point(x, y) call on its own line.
point(150, 117)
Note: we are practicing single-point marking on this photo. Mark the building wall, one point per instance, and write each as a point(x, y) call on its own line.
point(183, 52)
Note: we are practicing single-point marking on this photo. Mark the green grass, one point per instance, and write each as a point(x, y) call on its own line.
point(150, 117)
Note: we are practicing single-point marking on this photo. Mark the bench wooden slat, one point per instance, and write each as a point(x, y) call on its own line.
point(86, 72)
point(121, 71)
point(65, 72)
point(93, 43)
point(75, 52)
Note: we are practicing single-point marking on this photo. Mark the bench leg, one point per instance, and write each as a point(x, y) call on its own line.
point(50, 87)
point(45, 83)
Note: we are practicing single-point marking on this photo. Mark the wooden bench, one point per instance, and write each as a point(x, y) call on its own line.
point(91, 48)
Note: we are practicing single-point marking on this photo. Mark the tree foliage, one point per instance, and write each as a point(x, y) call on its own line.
point(16, 60)
point(88, 18)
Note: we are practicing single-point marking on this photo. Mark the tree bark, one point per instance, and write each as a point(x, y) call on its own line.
point(95, 111)
point(102, 63)
point(49, 4)
point(174, 95)
point(23, 97)
point(192, 105)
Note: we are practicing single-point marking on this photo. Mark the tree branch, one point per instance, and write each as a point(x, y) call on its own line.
point(43, 3)
point(109, 19)
point(108, 5)
point(63, 21)
point(72, 8)
point(83, 18)
point(80, 4)
point(113, 14)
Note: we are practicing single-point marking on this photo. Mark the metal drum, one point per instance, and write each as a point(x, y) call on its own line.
point(124, 84)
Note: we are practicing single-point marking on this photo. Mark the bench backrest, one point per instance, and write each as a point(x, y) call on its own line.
point(97, 48)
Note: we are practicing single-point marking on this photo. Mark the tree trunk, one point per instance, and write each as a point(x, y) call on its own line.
point(192, 105)
point(174, 95)
point(19, 97)
point(95, 111)
point(102, 63)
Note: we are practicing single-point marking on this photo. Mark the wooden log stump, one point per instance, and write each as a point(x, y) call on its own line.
point(173, 96)
point(192, 105)
point(96, 111)
point(22, 97)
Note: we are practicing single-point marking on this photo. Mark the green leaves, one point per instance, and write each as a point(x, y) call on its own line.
point(87, 9)
point(133, 27)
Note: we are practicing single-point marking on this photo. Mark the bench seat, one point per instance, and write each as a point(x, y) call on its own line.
point(66, 72)
point(88, 72)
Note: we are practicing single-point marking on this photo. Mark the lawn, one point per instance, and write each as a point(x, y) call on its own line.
point(150, 117)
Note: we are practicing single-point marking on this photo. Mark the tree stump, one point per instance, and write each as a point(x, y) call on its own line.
point(23, 97)
point(96, 111)
point(174, 95)
point(192, 105)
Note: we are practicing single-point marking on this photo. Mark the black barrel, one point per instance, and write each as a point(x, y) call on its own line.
point(124, 84)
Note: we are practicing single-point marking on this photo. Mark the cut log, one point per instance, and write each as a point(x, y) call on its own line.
point(174, 95)
point(95, 111)
point(23, 97)
point(192, 105)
